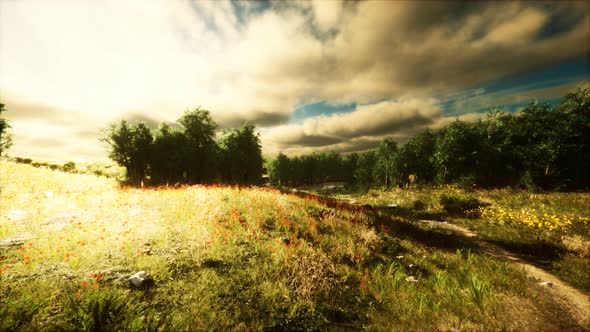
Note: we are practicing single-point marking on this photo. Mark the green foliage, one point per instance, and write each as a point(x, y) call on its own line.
point(5, 135)
point(278, 170)
point(385, 171)
point(199, 130)
point(225, 258)
point(168, 160)
point(540, 147)
point(415, 157)
point(363, 173)
point(70, 166)
point(458, 151)
point(186, 152)
point(457, 205)
point(241, 156)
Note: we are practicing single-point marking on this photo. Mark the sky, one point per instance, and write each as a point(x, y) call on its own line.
point(313, 76)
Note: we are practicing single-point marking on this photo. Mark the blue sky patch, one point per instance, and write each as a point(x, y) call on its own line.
point(520, 86)
point(321, 108)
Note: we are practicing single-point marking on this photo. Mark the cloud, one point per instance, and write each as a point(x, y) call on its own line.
point(327, 14)
point(364, 126)
point(140, 117)
point(54, 142)
point(515, 95)
point(106, 60)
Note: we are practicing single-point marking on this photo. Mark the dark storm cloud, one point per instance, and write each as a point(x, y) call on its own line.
point(25, 111)
point(255, 116)
point(366, 121)
point(315, 140)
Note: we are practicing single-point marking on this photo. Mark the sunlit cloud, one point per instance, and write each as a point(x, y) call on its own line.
point(259, 61)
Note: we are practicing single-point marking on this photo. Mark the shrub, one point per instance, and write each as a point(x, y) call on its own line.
point(455, 205)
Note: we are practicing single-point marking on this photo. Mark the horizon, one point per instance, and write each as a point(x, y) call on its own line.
point(312, 76)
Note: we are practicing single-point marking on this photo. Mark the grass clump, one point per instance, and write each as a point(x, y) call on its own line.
point(459, 206)
point(234, 259)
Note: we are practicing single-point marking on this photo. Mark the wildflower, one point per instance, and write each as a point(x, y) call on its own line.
point(84, 284)
point(99, 278)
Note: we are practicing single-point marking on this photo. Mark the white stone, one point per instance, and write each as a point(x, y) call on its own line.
point(141, 279)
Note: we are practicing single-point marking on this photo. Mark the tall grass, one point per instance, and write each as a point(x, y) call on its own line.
point(229, 258)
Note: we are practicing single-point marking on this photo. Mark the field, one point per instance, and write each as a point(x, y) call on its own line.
point(230, 258)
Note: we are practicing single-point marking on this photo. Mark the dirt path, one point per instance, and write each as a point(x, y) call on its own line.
point(573, 301)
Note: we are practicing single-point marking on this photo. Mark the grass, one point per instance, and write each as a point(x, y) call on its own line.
point(229, 258)
point(548, 229)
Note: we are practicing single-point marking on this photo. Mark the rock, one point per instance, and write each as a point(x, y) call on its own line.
point(411, 279)
point(146, 252)
point(546, 283)
point(16, 241)
point(57, 223)
point(141, 280)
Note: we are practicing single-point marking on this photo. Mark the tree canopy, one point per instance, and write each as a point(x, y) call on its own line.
point(186, 151)
point(5, 135)
point(539, 147)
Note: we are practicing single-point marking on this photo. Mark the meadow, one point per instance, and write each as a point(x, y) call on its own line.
point(233, 258)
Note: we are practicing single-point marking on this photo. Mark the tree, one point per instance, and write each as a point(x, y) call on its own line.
point(120, 140)
point(5, 136)
point(457, 152)
point(278, 171)
point(168, 155)
point(538, 142)
point(141, 150)
point(241, 156)
point(364, 168)
point(199, 130)
point(130, 147)
point(500, 162)
point(574, 129)
point(415, 157)
point(385, 169)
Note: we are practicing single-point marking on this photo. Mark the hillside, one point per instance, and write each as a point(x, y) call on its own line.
point(230, 258)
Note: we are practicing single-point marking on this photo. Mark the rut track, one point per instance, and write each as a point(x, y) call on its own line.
point(573, 301)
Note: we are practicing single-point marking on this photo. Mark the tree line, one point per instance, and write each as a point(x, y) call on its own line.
point(188, 151)
point(5, 135)
point(539, 147)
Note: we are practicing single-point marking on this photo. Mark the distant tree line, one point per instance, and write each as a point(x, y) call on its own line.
point(540, 147)
point(5, 135)
point(188, 151)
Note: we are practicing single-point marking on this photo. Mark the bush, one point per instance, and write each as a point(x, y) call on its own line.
point(418, 205)
point(455, 205)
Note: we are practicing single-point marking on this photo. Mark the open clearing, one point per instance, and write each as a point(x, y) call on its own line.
point(228, 258)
